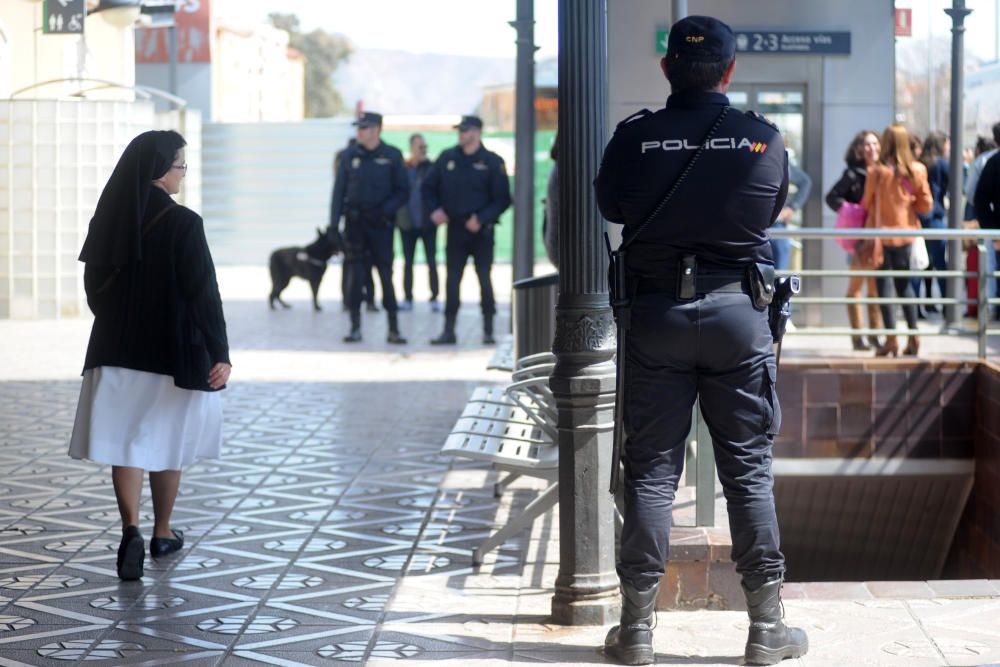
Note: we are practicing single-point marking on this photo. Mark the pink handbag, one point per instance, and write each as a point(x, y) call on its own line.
point(849, 216)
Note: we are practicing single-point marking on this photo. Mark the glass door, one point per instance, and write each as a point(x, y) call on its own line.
point(785, 106)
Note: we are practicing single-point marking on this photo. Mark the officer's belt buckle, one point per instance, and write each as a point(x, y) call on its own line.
point(687, 278)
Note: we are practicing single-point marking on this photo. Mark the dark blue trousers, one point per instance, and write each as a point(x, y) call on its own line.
point(366, 247)
point(463, 244)
point(716, 349)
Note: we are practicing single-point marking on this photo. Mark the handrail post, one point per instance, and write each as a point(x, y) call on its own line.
point(704, 490)
point(983, 308)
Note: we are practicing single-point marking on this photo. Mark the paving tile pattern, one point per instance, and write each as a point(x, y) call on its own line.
point(325, 497)
point(331, 532)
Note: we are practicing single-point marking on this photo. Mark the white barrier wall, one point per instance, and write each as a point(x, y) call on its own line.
point(55, 157)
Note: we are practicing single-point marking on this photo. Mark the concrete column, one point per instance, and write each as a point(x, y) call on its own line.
point(958, 12)
point(583, 381)
point(524, 143)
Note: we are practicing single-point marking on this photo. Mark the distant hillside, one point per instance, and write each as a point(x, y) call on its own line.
point(398, 82)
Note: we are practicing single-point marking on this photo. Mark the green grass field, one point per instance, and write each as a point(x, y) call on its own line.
point(439, 141)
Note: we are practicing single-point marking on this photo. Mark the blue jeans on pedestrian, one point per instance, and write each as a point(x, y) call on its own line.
point(781, 250)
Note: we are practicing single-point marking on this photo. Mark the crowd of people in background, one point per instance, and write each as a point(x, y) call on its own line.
point(376, 192)
point(898, 181)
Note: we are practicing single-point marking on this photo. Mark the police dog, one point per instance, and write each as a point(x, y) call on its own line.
point(308, 263)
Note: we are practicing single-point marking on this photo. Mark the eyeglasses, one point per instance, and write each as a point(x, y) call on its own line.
point(182, 167)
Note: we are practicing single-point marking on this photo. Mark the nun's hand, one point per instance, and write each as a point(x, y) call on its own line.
point(219, 375)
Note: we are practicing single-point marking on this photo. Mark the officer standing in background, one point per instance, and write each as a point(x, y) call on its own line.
point(368, 285)
point(467, 189)
point(369, 188)
point(696, 278)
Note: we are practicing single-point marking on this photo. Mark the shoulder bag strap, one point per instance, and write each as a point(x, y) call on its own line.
point(680, 179)
point(145, 230)
point(156, 218)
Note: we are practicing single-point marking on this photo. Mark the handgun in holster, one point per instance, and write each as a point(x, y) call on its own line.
point(780, 309)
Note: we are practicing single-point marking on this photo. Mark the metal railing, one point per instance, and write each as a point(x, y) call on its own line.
point(700, 471)
point(982, 237)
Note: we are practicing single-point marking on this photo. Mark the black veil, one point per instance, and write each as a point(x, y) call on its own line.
point(115, 234)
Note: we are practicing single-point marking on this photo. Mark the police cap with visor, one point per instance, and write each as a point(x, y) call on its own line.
point(701, 39)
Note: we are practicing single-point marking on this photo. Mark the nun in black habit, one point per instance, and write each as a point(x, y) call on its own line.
point(158, 351)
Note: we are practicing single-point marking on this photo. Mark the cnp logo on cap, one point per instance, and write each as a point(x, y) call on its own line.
point(702, 39)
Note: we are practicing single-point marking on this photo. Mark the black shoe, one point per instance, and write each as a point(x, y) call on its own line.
point(446, 338)
point(631, 641)
point(371, 307)
point(161, 546)
point(770, 641)
point(131, 554)
point(395, 339)
point(488, 339)
point(354, 336)
point(435, 305)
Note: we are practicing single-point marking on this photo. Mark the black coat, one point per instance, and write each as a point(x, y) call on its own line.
point(162, 314)
point(987, 196)
point(850, 188)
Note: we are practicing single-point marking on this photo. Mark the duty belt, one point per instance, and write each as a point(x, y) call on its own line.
point(734, 283)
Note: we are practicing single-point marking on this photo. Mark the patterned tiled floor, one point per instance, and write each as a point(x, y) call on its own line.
point(331, 532)
point(325, 497)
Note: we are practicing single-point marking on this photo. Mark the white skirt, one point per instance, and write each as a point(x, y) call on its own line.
point(141, 420)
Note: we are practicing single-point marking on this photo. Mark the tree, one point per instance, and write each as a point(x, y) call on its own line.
point(324, 52)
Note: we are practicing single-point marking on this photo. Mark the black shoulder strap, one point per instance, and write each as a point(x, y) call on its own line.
point(156, 218)
point(145, 230)
point(680, 179)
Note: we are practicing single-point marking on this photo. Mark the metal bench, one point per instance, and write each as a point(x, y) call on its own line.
point(513, 429)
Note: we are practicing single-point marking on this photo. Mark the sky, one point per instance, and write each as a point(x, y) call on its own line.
point(479, 27)
point(455, 27)
point(981, 24)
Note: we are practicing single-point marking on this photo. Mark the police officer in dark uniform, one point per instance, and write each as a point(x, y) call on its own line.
point(696, 279)
point(467, 189)
point(369, 188)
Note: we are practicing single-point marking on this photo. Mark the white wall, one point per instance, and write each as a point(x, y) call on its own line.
point(55, 157)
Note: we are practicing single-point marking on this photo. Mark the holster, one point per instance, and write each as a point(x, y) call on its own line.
point(780, 309)
point(762, 281)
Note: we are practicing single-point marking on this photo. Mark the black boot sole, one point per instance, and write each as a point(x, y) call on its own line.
point(631, 656)
point(756, 654)
point(132, 560)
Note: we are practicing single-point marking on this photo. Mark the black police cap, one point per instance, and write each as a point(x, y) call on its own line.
point(469, 122)
point(702, 39)
point(368, 119)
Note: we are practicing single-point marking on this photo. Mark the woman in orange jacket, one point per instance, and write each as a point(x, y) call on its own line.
point(896, 190)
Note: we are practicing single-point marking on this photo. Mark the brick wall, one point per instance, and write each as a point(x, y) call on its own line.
point(884, 408)
point(976, 553)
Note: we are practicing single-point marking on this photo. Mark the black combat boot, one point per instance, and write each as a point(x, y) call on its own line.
point(355, 335)
point(770, 640)
point(394, 336)
point(447, 337)
point(488, 330)
point(631, 641)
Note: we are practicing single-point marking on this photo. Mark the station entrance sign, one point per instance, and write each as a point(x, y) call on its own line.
point(793, 43)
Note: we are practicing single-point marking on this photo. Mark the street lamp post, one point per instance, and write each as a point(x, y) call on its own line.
point(958, 12)
point(524, 143)
point(583, 381)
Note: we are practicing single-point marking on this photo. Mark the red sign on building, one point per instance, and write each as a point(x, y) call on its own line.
point(904, 22)
point(192, 22)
